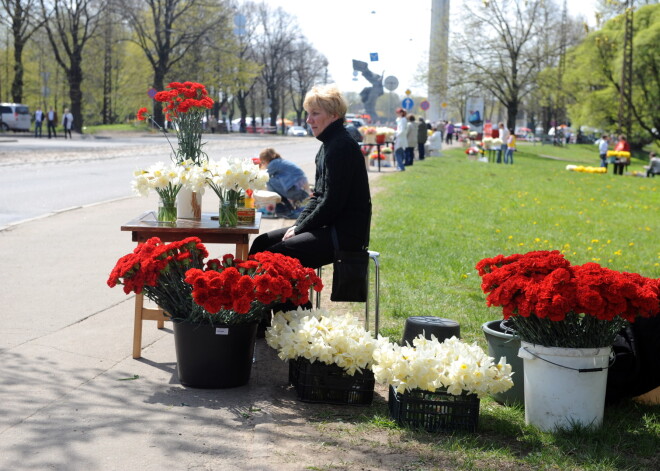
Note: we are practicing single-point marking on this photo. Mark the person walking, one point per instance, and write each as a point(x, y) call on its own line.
point(67, 122)
point(441, 129)
point(422, 136)
point(449, 131)
point(411, 136)
point(400, 138)
point(510, 147)
point(603, 144)
point(621, 162)
point(504, 136)
point(38, 121)
point(51, 118)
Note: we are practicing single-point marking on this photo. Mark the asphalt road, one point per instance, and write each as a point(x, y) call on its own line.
point(44, 176)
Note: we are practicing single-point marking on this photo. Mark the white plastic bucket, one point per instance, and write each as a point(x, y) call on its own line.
point(564, 387)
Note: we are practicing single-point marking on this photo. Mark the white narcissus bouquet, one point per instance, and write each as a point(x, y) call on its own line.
point(228, 177)
point(318, 335)
point(193, 176)
point(497, 142)
point(430, 365)
point(164, 180)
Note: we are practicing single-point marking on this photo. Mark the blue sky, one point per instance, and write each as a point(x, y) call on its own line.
point(397, 30)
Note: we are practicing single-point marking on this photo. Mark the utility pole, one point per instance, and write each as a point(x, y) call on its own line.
point(625, 89)
point(561, 112)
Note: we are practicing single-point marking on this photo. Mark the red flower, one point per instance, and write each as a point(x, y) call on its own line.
point(141, 114)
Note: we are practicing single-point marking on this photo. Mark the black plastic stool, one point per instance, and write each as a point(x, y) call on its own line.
point(430, 325)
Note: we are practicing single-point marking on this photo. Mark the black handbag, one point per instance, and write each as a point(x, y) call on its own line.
point(350, 273)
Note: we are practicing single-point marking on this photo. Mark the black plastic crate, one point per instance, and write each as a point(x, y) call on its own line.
point(293, 371)
point(435, 411)
point(330, 384)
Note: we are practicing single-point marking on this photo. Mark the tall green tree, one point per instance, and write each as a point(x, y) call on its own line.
point(23, 19)
point(594, 76)
point(499, 45)
point(167, 31)
point(70, 25)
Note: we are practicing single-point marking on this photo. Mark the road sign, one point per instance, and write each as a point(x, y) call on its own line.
point(373, 57)
point(151, 92)
point(408, 92)
point(391, 82)
point(407, 104)
point(425, 105)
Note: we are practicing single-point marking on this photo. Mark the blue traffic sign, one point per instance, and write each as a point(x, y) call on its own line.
point(373, 57)
point(407, 104)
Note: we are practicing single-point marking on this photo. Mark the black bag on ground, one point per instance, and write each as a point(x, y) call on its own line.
point(350, 272)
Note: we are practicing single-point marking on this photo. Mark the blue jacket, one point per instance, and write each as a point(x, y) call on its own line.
point(283, 175)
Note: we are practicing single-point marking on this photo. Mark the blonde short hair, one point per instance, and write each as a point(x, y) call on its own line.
point(328, 98)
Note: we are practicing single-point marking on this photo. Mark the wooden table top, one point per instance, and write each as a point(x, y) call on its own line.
point(146, 223)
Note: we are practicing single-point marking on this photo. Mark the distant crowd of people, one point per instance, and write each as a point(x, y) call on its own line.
point(50, 117)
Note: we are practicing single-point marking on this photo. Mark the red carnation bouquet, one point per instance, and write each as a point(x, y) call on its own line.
point(552, 303)
point(228, 291)
point(184, 105)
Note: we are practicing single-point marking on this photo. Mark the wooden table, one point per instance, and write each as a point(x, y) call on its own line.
point(207, 229)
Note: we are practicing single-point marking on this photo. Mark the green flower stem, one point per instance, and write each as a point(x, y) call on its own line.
point(167, 209)
point(189, 135)
point(575, 331)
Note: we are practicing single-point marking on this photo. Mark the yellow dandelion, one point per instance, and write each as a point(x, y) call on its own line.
point(631, 244)
point(594, 241)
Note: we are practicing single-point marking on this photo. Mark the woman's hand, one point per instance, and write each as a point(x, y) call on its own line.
point(290, 233)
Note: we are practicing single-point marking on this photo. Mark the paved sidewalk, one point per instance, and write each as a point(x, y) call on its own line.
point(72, 397)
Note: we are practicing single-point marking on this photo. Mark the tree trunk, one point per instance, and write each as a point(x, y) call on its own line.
point(159, 85)
point(512, 112)
point(17, 84)
point(75, 77)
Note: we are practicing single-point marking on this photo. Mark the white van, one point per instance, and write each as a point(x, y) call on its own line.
point(14, 117)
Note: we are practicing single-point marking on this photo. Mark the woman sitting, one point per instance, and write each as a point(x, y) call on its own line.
point(286, 179)
point(341, 198)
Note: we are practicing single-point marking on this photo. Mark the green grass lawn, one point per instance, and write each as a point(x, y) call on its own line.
point(435, 221)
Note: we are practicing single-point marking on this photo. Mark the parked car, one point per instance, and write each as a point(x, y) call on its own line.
point(14, 117)
point(296, 131)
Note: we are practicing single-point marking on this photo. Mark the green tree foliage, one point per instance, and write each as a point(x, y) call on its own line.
point(594, 74)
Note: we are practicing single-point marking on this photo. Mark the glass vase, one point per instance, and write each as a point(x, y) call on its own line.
point(166, 214)
point(228, 216)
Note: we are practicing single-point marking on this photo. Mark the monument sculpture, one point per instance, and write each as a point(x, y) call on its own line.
point(369, 95)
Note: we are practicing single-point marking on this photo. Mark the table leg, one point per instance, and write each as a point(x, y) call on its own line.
point(137, 326)
point(242, 251)
point(378, 155)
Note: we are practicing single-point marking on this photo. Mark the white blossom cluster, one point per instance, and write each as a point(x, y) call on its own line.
point(193, 176)
point(235, 174)
point(430, 365)
point(156, 177)
point(318, 335)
